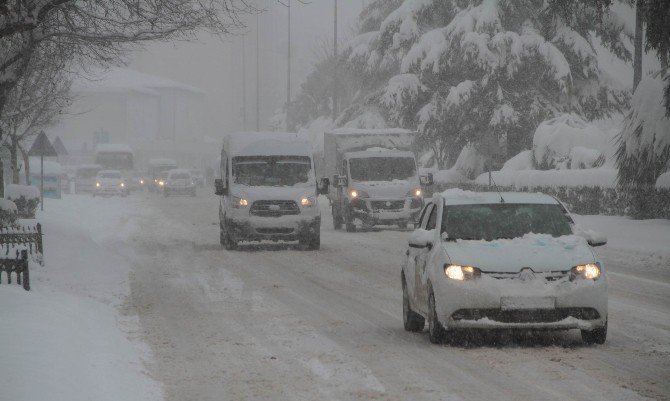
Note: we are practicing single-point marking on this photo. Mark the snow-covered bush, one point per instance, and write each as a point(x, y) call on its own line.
point(555, 139)
point(25, 197)
point(522, 161)
point(644, 144)
point(7, 213)
point(470, 162)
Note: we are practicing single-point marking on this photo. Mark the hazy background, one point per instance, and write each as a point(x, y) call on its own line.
point(215, 65)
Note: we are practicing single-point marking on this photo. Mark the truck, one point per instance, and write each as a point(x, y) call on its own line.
point(267, 190)
point(375, 179)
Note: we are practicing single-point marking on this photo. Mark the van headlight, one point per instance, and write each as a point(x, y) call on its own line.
point(462, 273)
point(239, 202)
point(308, 201)
point(589, 271)
point(123, 185)
point(415, 193)
point(357, 193)
point(97, 185)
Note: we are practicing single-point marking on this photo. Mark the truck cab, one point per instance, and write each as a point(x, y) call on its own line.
point(268, 190)
point(376, 181)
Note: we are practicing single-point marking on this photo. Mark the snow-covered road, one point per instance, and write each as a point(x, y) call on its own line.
point(276, 322)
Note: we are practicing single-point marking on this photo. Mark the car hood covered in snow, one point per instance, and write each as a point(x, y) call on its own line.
point(273, 193)
point(540, 252)
point(386, 189)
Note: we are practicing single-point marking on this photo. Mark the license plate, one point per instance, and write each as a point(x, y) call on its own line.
point(514, 303)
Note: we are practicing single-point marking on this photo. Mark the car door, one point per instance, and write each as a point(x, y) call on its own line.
point(412, 255)
point(422, 258)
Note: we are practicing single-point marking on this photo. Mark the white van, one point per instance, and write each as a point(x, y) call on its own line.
point(268, 190)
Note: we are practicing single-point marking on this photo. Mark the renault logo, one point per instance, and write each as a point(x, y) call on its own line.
point(388, 203)
point(526, 274)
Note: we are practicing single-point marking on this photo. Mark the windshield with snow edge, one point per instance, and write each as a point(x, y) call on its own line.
point(495, 221)
point(382, 168)
point(271, 171)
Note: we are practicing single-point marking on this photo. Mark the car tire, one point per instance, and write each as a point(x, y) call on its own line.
point(411, 320)
point(349, 220)
point(229, 244)
point(596, 336)
point(337, 218)
point(436, 332)
point(312, 243)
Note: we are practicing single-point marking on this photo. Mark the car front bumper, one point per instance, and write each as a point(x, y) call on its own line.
point(489, 303)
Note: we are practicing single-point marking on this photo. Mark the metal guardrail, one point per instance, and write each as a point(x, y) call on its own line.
point(19, 267)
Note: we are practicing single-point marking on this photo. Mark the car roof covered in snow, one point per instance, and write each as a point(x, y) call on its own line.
point(113, 148)
point(460, 197)
point(267, 144)
point(362, 131)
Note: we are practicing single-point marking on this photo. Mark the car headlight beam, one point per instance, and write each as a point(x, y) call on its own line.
point(461, 273)
point(589, 271)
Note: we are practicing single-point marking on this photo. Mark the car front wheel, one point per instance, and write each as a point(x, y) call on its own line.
point(412, 320)
point(436, 332)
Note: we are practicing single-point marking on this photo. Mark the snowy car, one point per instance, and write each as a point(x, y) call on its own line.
point(109, 183)
point(502, 261)
point(268, 190)
point(179, 182)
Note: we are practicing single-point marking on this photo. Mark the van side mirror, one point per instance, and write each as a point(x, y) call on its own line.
point(342, 181)
point(323, 186)
point(426, 180)
point(219, 189)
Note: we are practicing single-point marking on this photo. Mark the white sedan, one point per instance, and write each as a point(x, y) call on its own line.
point(502, 261)
point(109, 183)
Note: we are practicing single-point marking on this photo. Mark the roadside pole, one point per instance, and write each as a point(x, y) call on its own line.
point(42, 147)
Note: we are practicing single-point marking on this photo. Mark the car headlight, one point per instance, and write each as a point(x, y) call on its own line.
point(307, 201)
point(415, 193)
point(461, 273)
point(589, 271)
point(123, 185)
point(239, 202)
point(97, 184)
point(161, 183)
point(357, 193)
point(141, 182)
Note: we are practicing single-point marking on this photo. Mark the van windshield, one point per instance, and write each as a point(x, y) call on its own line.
point(382, 168)
point(271, 171)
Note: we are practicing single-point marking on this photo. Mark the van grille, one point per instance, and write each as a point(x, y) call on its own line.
point(274, 208)
point(387, 205)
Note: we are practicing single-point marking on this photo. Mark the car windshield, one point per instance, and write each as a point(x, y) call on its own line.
point(110, 175)
point(495, 221)
point(180, 176)
point(274, 171)
point(382, 168)
point(115, 160)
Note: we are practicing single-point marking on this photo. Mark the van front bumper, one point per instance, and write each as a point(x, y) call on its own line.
point(386, 211)
point(284, 228)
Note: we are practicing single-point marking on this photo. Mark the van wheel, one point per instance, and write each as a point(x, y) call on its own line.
point(411, 320)
point(597, 336)
point(313, 243)
point(337, 218)
point(436, 332)
point(226, 240)
point(349, 220)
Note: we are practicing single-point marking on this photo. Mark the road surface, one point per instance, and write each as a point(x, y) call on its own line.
point(276, 322)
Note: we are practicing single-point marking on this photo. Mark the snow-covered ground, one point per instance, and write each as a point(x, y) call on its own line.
point(275, 322)
point(70, 338)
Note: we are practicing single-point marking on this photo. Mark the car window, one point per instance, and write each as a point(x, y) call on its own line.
point(432, 219)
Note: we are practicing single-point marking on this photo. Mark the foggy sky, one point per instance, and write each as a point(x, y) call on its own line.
point(215, 65)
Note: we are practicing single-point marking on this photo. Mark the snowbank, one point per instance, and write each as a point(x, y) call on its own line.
point(596, 177)
point(14, 191)
point(554, 140)
point(7, 205)
point(522, 161)
point(67, 338)
point(449, 177)
point(663, 181)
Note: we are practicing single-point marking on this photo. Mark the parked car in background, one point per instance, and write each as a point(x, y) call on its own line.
point(179, 182)
point(110, 183)
point(502, 261)
point(85, 178)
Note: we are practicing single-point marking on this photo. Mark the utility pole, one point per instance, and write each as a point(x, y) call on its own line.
point(335, 67)
point(258, 81)
point(244, 85)
point(288, 77)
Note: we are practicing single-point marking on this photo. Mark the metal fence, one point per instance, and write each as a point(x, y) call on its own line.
point(18, 245)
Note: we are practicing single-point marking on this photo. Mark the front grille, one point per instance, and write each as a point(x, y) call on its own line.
point(274, 230)
point(547, 276)
point(274, 208)
point(526, 315)
point(387, 205)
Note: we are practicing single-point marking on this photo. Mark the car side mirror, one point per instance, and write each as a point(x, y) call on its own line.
point(593, 238)
point(219, 188)
point(421, 239)
point(323, 186)
point(426, 180)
